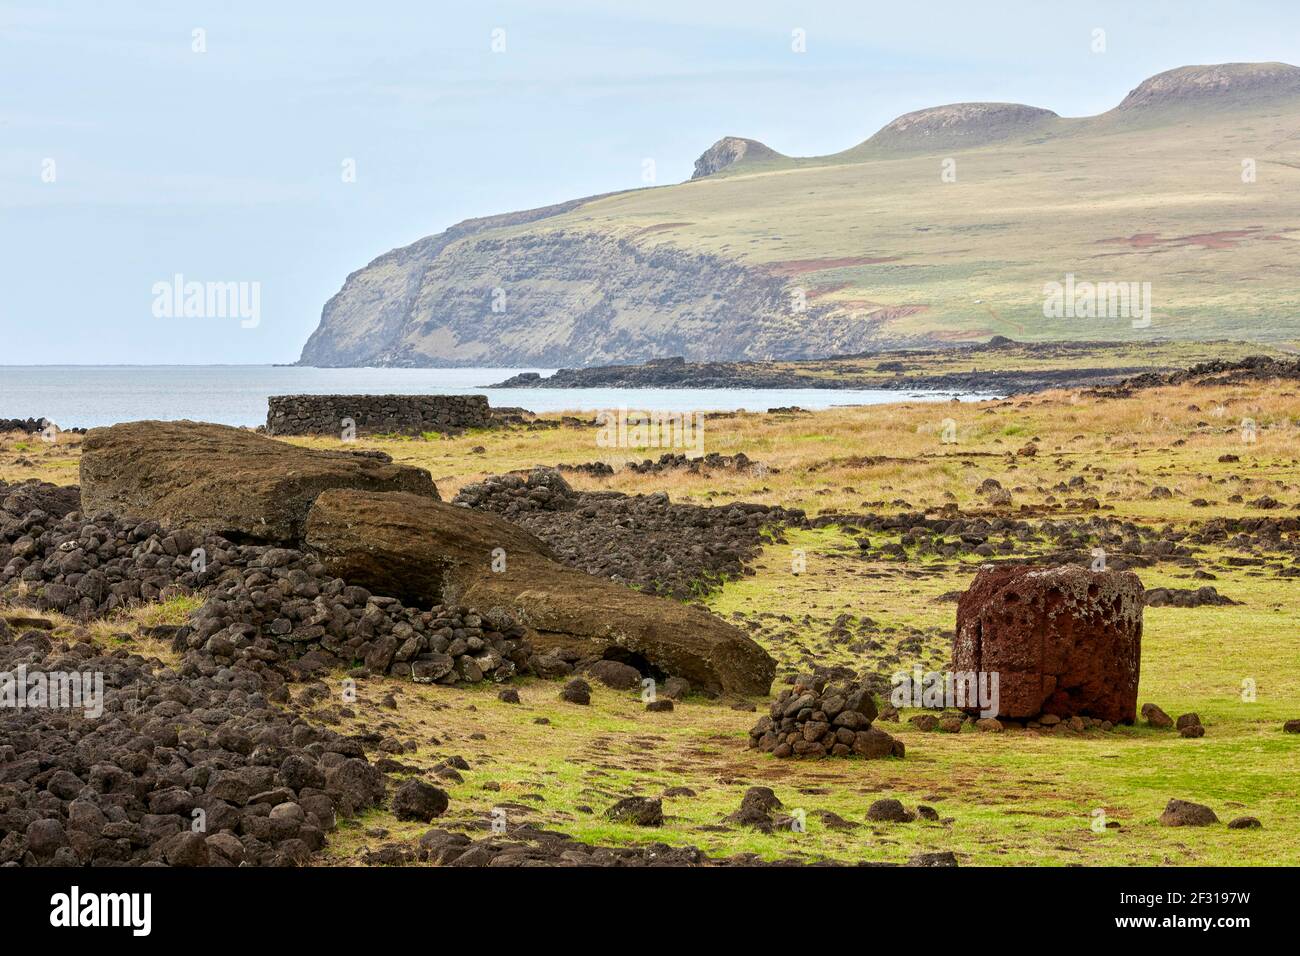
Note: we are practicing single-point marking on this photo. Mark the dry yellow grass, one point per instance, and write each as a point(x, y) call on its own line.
point(1153, 438)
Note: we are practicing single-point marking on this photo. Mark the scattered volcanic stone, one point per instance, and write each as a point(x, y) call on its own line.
point(417, 800)
point(645, 541)
point(889, 810)
point(1182, 813)
point(941, 858)
point(576, 691)
point(1245, 823)
point(1064, 640)
point(1253, 368)
point(317, 624)
point(702, 465)
point(113, 789)
point(1292, 727)
point(527, 846)
point(266, 606)
point(638, 811)
point(1156, 717)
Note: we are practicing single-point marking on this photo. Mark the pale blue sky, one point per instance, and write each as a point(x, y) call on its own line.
point(226, 165)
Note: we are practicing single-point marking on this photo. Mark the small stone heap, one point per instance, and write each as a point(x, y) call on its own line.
point(594, 469)
point(816, 719)
point(88, 567)
point(19, 498)
point(33, 425)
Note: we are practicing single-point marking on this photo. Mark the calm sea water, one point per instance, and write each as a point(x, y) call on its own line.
point(81, 396)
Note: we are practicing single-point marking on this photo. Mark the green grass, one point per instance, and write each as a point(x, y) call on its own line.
point(1017, 798)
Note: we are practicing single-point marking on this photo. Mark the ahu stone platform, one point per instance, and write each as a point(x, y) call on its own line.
point(338, 415)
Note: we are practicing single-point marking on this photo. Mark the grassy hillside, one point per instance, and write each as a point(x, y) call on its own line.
point(884, 238)
point(946, 226)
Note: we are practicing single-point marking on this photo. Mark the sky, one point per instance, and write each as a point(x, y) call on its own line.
point(284, 145)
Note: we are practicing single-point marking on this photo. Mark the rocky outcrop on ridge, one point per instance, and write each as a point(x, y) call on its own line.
point(731, 151)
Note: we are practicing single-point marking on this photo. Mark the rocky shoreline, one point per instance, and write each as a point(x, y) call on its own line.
point(895, 370)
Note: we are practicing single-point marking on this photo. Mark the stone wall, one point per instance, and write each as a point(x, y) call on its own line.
point(374, 414)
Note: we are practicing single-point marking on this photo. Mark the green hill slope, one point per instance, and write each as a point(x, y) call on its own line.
point(947, 225)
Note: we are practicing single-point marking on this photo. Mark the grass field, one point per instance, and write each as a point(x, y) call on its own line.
point(1019, 797)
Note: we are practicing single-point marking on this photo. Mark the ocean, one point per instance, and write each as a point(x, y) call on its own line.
point(86, 396)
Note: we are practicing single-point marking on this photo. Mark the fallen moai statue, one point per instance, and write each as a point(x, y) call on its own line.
point(422, 550)
point(222, 480)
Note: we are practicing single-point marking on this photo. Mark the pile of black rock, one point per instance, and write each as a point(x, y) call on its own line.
point(641, 540)
point(199, 765)
point(819, 719)
point(702, 465)
point(20, 497)
point(593, 469)
point(266, 605)
point(209, 762)
point(89, 567)
point(283, 608)
point(25, 426)
point(33, 426)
